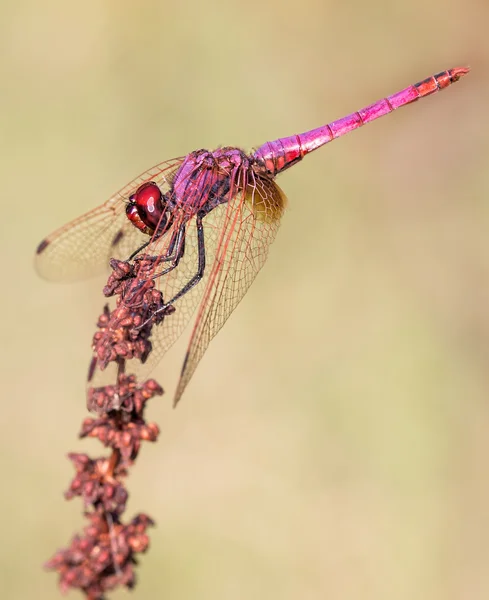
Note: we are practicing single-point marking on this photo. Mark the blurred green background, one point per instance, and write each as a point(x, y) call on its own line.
point(333, 442)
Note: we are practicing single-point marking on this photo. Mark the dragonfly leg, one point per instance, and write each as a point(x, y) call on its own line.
point(200, 267)
point(168, 255)
point(136, 252)
point(175, 252)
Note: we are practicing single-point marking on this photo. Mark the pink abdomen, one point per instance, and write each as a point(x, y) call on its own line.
point(284, 152)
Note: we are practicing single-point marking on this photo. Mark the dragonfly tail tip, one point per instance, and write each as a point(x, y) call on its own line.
point(458, 72)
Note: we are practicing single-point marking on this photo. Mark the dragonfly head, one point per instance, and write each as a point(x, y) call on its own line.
point(147, 207)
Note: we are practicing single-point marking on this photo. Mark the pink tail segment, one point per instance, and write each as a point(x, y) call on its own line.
point(283, 153)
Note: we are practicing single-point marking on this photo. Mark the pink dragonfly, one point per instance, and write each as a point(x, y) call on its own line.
point(208, 219)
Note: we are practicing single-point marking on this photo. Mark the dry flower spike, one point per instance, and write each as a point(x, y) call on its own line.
point(103, 557)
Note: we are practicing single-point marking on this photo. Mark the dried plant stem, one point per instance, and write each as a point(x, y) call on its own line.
point(103, 556)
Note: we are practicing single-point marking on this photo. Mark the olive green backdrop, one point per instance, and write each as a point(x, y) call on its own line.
point(334, 440)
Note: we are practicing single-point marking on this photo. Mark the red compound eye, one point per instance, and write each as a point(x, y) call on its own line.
point(148, 198)
point(146, 207)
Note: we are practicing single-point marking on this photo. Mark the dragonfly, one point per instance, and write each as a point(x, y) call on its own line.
point(208, 218)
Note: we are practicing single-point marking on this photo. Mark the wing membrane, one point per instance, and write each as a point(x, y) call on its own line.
point(167, 332)
point(237, 235)
point(250, 224)
point(83, 247)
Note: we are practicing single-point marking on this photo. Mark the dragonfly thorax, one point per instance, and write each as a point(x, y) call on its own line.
point(207, 179)
point(147, 207)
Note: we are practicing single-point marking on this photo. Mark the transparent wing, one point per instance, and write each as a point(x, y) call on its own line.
point(237, 235)
point(83, 247)
point(248, 227)
point(168, 331)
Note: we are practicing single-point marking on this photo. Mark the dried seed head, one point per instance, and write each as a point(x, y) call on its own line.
point(125, 331)
point(125, 428)
point(96, 485)
point(126, 396)
point(103, 558)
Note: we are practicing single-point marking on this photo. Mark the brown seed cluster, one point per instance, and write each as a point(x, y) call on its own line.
point(95, 483)
point(124, 332)
point(124, 428)
point(103, 556)
point(126, 396)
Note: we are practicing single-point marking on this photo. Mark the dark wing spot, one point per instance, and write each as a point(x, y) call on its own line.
point(42, 246)
point(117, 238)
point(91, 369)
point(185, 361)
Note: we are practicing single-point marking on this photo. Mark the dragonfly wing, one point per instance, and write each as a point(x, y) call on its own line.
point(83, 247)
point(167, 332)
point(250, 223)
